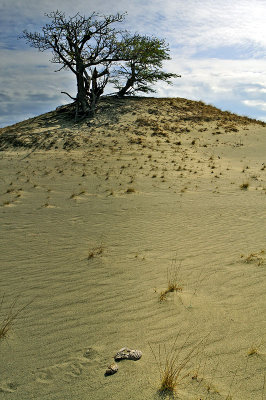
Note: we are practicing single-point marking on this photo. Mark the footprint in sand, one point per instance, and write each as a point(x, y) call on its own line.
point(8, 387)
point(69, 370)
point(65, 371)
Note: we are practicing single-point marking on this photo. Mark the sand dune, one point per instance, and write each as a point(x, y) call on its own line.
point(95, 215)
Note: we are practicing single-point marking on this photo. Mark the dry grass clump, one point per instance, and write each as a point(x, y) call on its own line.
point(96, 251)
point(253, 351)
point(137, 140)
point(172, 279)
point(130, 190)
point(8, 317)
point(162, 295)
point(143, 121)
point(257, 258)
point(154, 126)
point(173, 364)
point(74, 195)
point(244, 186)
point(172, 282)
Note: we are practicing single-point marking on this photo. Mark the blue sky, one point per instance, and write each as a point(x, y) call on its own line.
point(218, 46)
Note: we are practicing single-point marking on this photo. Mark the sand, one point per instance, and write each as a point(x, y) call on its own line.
point(96, 215)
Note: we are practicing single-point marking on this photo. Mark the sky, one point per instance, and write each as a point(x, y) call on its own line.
point(217, 46)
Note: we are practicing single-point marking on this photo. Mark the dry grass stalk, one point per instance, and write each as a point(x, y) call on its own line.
point(263, 387)
point(7, 320)
point(254, 349)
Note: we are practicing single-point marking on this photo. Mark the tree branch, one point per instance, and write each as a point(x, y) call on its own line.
point(73, 98)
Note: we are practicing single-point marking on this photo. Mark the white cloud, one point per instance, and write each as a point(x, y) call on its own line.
point(29, 71)
point(254, 103)
point(222, 75)
point(255, 90)
point(217, 23)
point(29, 85)
point(191, 23)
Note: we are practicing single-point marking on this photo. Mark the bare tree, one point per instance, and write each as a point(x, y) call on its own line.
point(86, 46)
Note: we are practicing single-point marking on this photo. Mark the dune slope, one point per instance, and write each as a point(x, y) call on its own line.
point(97, 217)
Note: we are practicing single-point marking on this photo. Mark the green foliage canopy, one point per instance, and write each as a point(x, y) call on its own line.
point(144, 57)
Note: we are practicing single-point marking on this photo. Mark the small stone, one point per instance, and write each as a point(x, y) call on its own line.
point(127, 354)
point(111, 369)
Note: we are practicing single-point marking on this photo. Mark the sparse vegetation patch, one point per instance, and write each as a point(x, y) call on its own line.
point(257, 258)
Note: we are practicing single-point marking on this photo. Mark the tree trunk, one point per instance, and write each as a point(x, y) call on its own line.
point(130, 82)
point(127, 86)
point(96, 91)
point(82, 99)
point(81, 94)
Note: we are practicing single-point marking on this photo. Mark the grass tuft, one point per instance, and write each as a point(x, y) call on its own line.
point(7, 319)
point(172, 282)
point(173, 364)
point(96, 251)
point(244, 186)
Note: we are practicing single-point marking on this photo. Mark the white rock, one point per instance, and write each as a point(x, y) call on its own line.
point(128, 354)
point(111, 369)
